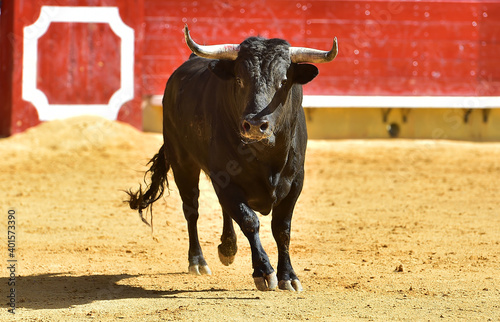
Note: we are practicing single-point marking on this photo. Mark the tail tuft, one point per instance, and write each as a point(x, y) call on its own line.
point(140, 200)
point(135, 198)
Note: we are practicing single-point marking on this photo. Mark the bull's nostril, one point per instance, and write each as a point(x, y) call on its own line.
point(264, 126)
point(246, 126)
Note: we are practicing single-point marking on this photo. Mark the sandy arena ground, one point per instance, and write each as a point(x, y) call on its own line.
point(384, 230)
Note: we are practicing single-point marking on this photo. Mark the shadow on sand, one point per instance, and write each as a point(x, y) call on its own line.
point(61, 290)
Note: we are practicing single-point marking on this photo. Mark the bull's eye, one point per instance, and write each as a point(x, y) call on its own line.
point(283, 83)
point(239, 81)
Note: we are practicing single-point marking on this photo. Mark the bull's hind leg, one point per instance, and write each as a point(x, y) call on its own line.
point(227, 248)
point(187, 178)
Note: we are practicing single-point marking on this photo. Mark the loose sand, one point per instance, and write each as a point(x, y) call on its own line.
point(384, 230)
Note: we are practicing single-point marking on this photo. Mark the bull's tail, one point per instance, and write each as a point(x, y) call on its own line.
point(141, 200)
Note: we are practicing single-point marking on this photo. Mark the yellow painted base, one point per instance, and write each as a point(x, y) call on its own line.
point(361, 123)
point(451, 124)
point(152, 118)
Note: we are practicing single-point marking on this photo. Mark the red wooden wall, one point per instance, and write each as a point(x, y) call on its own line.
point(386, 47)
point(91, 60)
point(78, 63)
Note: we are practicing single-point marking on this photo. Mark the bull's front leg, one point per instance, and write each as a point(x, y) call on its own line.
point(233, 204)
point(281, 226)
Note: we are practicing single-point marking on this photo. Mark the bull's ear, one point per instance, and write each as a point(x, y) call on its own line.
point(304, 73)
point(224, 69)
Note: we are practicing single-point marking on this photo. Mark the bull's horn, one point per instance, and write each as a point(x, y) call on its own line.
point(227, 51)
point(308, 55)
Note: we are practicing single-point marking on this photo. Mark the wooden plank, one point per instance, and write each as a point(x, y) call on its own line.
point(243, 10)
point(386, 11)
point(371, 85)
point(79, 63)
point(7, 50)
point(370, 31)
point(394, 49)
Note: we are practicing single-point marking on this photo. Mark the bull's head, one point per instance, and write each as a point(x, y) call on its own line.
point(262, 71)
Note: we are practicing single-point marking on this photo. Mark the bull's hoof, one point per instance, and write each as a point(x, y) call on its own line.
point(226, 260)
point(199, 270)
point(268, 282)
point(227, 253)
point(293, 285)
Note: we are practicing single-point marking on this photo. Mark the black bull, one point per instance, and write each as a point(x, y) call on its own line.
point(235, 112)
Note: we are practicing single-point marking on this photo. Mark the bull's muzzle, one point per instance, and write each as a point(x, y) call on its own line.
point(254, 130)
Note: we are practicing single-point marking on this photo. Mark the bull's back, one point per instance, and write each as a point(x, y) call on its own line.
point(188, 119)
point(185, 88)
